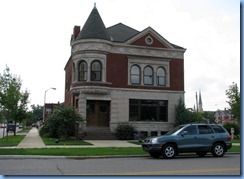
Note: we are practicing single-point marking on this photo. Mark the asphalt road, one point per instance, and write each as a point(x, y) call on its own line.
point(181, 165)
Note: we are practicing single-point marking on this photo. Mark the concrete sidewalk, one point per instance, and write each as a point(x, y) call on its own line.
point(33, 140)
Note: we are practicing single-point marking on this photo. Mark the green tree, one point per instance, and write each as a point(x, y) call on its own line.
point(13, 101)
point(181, 113)
point(61, 124)
point(195, 116)
point(33, 115)
point(234, 100)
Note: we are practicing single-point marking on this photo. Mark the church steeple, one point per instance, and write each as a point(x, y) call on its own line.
point(94, 27)
point(200, 102)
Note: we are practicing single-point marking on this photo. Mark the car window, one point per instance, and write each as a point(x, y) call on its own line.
point(172, 131)
point(191, 130)
point(218, 129)
point(205, 129)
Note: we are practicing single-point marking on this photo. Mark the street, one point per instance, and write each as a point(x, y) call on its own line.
point(181, 165)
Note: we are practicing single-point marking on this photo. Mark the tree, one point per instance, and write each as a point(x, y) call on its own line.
point(13, 101)
point(181, 113)
point(61, 124)
point(234, 100)
point(35, 114)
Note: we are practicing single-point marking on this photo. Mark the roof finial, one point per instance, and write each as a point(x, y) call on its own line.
point(94, 5)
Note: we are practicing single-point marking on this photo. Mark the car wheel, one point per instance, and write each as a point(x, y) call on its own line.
point(155, 155)
point(218, 150)
point(169, 151)
point(201, 154)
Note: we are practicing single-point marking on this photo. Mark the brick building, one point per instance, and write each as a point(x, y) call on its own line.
point(120, 75)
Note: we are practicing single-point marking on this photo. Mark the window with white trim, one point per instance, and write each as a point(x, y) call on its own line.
point(135, 74)
point(148, 75)
point(96, 71)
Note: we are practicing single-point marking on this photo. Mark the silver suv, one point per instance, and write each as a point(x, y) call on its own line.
point(198, 138)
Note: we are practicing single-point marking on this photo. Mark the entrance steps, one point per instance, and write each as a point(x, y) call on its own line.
point(99, 133)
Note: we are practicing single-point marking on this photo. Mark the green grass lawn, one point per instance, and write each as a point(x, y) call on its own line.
point(235, 141)
point(75, 151)
point(11, 140)
point(24, 130)
point(84, 151)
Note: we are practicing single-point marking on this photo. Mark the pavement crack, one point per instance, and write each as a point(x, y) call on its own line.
point(60, 170)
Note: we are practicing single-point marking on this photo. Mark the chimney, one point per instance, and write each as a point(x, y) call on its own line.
point(76, 31)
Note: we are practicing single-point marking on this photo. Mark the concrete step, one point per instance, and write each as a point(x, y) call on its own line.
point(99, 133)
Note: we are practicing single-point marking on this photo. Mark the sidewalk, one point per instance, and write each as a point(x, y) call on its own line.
point(33, 140)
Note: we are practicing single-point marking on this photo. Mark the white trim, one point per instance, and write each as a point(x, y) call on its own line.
point(104, 47)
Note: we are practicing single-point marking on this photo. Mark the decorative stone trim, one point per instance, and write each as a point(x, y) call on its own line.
point(109, 47)
point(91, 90)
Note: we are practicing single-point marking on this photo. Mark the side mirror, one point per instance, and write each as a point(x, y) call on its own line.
point(184, 133)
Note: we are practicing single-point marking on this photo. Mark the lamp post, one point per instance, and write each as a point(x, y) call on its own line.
point(44, 108)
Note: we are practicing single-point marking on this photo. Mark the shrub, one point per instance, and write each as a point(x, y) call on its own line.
point(229, 125)
point(125, 132)
point(61, 124)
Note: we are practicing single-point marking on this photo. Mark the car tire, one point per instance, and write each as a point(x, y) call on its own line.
point(155, 155)
point(169, 151)
point(218, 150)
point(201, 154)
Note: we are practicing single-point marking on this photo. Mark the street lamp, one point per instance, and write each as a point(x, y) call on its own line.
point(44, 110)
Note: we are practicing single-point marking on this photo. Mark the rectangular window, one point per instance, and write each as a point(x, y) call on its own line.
point(148, 110)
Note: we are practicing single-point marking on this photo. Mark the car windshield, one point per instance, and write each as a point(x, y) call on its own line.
point(172, 131)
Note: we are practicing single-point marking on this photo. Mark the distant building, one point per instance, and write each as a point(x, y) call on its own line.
point(121, 75)
point(50, 107)
point(224, 116)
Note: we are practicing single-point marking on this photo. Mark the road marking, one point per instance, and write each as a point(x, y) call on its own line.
point(173, 172)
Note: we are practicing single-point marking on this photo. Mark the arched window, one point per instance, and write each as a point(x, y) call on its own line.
point(135, 74)
point(82, 71)
point(148, 75)
point(96, 71)
point(161, 76)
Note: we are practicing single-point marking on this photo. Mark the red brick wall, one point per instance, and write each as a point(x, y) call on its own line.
point(68, 82)
point(117, 76)
point(117, 72)
point(177, 74)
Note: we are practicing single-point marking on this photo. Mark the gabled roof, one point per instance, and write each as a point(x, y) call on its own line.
point(151, 31)
point(121, 32)
point(94, 27)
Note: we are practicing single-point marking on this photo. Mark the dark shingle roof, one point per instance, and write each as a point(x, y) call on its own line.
point(94, 28)
point(121, 32)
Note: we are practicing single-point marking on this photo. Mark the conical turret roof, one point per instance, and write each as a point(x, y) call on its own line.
point(94, 27)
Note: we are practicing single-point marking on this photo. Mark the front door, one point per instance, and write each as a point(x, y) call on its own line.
point(97, 113)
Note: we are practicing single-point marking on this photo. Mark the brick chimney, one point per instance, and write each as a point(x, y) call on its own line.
point(76, 31)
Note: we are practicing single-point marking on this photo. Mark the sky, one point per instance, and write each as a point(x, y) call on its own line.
point(35, 41)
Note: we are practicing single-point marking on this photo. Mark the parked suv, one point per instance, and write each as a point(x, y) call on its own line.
point(199, 138)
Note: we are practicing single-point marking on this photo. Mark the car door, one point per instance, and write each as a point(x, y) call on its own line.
point(188, 139)
point(205, 137)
